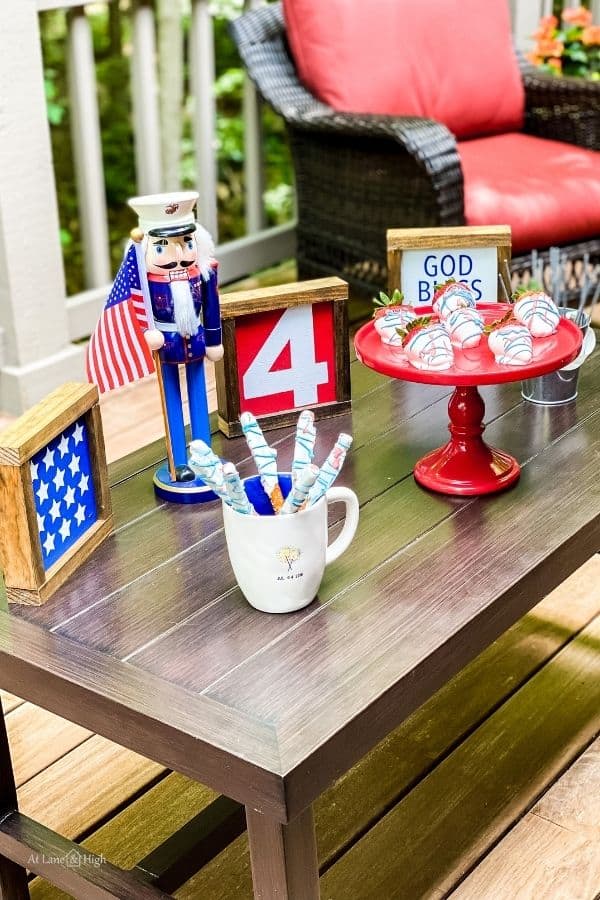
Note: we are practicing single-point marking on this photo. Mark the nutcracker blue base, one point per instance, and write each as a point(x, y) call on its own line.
point(181, 491)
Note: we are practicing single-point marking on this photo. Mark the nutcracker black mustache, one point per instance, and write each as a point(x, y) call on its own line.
point(183, 263)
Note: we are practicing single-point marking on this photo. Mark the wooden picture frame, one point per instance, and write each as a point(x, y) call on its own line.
point(55, 505)
point(247, 316)
point(455, 241)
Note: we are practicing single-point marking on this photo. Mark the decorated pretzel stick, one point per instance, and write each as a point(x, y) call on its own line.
point(208, 466)
point(299, 492)
point(235, 490)
point(330, 468)
point(304, 446)
point(265, 459)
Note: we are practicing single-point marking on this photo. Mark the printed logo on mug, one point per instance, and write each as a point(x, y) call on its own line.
point(279, 561)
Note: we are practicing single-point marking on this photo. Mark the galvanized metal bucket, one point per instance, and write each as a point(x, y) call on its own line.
point(561, 387)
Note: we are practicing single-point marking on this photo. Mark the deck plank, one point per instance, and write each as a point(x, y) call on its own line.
point(537, 860)
point(9, 701)
point(474, 796)
point(81, 788)
point(574, 801)
point(38, 739)
point(554, 851)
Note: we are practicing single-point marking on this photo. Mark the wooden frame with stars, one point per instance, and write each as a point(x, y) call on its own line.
point(31, 572)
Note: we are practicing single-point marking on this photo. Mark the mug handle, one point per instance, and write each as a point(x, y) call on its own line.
point(344, 538)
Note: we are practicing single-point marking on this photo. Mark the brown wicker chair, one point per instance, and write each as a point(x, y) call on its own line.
point(357, 175)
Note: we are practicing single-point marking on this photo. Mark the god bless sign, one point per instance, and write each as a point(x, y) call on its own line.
point(286, 348)
point(420, 258)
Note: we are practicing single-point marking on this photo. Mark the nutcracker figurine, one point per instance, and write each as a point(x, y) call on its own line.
point(163, 313)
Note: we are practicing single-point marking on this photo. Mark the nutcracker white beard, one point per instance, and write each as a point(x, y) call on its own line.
point(186, 318)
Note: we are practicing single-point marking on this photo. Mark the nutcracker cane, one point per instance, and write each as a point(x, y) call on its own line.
point(137, 237)
point(163, 403)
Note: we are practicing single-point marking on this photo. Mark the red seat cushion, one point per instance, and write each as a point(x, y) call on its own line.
point(448, 61)
point(547, 191)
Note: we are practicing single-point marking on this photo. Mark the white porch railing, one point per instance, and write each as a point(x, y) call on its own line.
point(38, 324)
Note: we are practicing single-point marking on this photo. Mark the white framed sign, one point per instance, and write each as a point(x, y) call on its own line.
point(420, 258)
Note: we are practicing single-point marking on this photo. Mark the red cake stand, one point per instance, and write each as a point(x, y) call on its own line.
point(466, 465)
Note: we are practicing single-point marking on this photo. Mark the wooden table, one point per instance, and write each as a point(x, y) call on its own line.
point(153, 646)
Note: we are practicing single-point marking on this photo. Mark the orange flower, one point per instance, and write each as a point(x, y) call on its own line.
point(555, 64)
point(591, 35)
point(546, 27)
point(535, 59)
point(578, 15)
point(550, 47)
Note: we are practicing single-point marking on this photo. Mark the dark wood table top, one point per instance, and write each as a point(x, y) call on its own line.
point(152, 644)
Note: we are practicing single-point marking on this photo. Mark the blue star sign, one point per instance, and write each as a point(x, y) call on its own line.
point(63, 488)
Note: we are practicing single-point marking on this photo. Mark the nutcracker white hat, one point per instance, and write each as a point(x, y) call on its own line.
point(166, 215)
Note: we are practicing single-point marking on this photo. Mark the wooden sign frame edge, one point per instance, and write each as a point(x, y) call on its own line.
point(299, 293)
point(455, 237)
point(18, 444)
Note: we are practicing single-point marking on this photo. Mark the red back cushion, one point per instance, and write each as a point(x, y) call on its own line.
point(443, 59)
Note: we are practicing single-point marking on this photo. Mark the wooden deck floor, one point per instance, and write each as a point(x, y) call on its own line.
point(489, 792)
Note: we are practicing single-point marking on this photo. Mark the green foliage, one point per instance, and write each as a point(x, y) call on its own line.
point(111, 31)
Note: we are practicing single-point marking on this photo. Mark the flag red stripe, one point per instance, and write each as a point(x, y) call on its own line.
point(123, 346)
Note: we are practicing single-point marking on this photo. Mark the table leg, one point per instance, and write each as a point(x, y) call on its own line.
point(13, 878)
point(284, 857)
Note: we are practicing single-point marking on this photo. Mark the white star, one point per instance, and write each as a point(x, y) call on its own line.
point(34, 468)
point(65, 529)
point(83, 484)
point(59, 479)
point(78, 434)
point(40, 522)
point(49, 458)
point(63, 446)
point(69, 497)
point(42, 491)
point(80, 514)
point(55, 510)
point(49, 543)
point(74, 464)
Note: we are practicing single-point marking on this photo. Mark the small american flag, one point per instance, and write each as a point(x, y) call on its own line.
point(117, 353)
point(63, 490)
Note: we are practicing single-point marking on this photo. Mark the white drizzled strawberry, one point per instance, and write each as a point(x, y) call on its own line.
point(427, 345)
point(450, 296)
point(537, 311)
point(511, 343)
point(465, 327)
point(392, 313)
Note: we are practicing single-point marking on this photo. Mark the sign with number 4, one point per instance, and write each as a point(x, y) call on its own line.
point(286, 348)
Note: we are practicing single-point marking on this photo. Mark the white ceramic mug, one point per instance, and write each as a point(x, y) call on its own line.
point(279, 560)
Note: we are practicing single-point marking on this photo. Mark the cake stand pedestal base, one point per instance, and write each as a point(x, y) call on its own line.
point(466, 466)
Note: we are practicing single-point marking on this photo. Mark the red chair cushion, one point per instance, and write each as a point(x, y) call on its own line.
point(448, 61)
point(547, 191)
